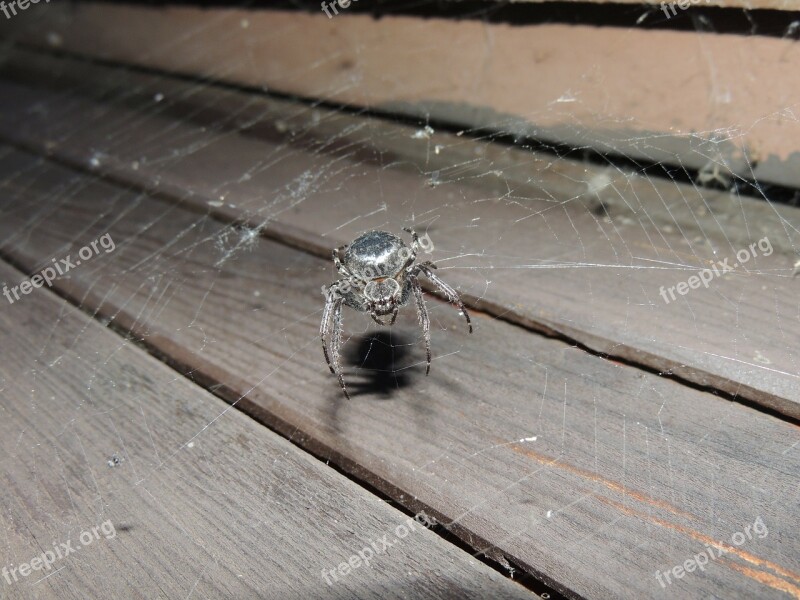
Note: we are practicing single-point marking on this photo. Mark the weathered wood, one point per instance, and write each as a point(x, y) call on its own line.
point(607, 88)
point(591, 474)
point(528, 239)
point(202, 501)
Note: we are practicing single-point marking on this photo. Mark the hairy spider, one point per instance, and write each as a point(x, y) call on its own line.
point(379, 277)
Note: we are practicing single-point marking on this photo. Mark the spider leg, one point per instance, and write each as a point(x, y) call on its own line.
point(335, 254)
point(337, 343)
point(424, 319)
point(330, 348)
point(394, 315)
point(344, 271)
point(415, 245)
point(337, 262)
point(330, 303)
point(452, 295)
point(418, 244)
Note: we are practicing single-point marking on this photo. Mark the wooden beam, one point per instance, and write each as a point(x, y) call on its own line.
point(651, 95)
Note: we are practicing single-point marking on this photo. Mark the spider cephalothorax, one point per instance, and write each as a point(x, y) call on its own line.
point(379, 277)
point(382, 297)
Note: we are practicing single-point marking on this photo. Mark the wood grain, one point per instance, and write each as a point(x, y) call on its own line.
point(593, 475)
point(556, 246)
point(203, 502)
point(612, 89)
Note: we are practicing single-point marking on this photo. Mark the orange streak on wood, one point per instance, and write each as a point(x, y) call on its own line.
point(765, 578)
point(597, 478)
point(701, 537)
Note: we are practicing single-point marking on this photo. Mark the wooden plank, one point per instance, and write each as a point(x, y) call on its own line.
point(593, 475)
point(527, 239)
point(202, 501)
point(581, 85)
point(493, 166)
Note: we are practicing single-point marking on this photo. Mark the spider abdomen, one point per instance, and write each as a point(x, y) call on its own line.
point(376, 254)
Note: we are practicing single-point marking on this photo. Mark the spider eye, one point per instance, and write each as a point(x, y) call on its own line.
point(369, 290)
point(381, 290)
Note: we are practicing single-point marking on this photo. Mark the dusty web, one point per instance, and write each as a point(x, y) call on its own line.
point(590, 269)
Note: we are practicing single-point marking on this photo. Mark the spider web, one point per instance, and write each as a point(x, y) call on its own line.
point(573, 240)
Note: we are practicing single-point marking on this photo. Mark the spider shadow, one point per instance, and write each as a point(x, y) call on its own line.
point(381, 364)
point(377, 356)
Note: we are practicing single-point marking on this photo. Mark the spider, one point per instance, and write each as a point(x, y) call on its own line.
point(379, 277)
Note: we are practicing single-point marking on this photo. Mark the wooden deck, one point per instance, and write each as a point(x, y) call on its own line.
point(202, 498)
point(586, 436)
